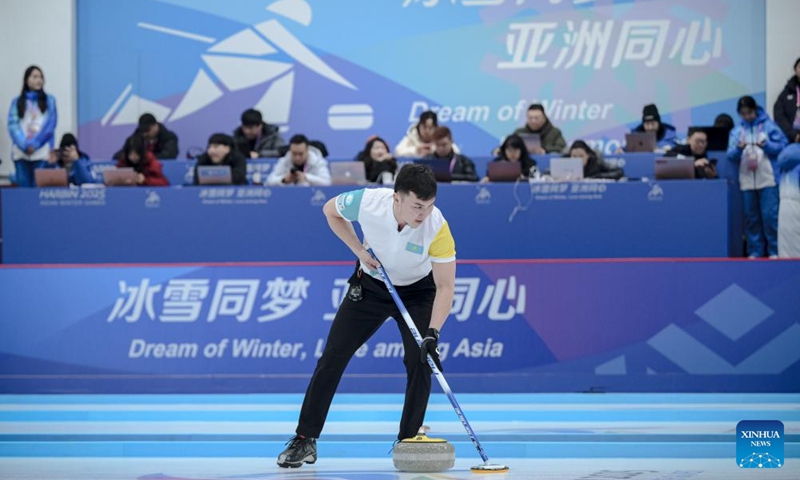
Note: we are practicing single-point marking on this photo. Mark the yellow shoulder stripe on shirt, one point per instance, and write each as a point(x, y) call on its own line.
point(443, 245)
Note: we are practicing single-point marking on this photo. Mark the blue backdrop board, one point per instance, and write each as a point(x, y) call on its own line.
point(342, 71)
point(722, 326)
point(489, 221)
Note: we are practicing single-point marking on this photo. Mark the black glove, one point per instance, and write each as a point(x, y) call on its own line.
point(430, 345)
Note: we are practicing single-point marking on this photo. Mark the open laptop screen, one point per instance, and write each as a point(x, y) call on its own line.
point(120, 177)
point(348, 173)
point(50, 177)
point(440, 167)
point(214, 175)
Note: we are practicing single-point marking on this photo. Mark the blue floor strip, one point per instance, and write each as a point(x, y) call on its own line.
point(630, 415)
point(378, 450)
point(463, 398)
point(377, 438)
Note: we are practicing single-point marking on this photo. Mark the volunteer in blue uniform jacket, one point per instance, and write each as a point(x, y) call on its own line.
point(32, 121)
point(754, 146)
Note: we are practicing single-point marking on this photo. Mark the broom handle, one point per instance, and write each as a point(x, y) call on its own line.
point(436, 373)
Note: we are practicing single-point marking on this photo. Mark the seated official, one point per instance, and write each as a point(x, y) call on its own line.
point(697, 148)
point(723, 120)
point(302, 165)
point(220, 152)
point(256, 138)
point(144, 163)
point(552, 141)
point(513, 149)
point(418, 141)
point(593, 165)
point(73, 160)
point(666, 137)
point(377, 161)
point(159, 141)
point(461, 167)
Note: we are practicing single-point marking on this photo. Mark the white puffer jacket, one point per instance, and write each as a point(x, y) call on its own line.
point(789, 212)
point(408, 145)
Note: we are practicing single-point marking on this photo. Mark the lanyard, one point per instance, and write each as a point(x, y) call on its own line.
point(753, 138)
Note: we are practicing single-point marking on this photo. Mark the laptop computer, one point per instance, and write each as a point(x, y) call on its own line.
point(640, 142)
point(532, 141)
point(440, 167)
point(717, 137)
point(51, 177)
point(672, 168)
point(120, 177)
point(348, 173)
point(566, 169)
point(214, 175)
point(504, 171)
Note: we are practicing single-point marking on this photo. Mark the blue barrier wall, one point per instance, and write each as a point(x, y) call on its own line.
point(548, 326)
point(489, 221)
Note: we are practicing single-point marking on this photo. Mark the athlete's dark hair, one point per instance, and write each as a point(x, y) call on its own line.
point(418, 179)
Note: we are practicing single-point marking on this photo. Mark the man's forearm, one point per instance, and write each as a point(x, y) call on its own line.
point(442, 305)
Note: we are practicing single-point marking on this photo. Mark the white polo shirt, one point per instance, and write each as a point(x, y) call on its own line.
point(406, 255)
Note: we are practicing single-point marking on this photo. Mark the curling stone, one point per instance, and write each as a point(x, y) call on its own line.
point(423, 454)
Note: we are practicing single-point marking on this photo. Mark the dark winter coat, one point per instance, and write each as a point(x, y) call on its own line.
point(268, 144)
point(551, 137)
point(786, 107)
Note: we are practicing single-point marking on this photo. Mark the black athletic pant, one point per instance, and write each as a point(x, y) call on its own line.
point(354, 324)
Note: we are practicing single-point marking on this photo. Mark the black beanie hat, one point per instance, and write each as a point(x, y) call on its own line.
point(650, 112)
point(68, 140)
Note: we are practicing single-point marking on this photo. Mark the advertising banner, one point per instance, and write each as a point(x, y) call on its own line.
point(521, 326)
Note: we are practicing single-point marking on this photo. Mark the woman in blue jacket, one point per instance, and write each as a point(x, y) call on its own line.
point(32, 122)
point(754, 146)
point(71, 158)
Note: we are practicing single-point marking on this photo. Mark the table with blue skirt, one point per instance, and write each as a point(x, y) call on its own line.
point(256, 223)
